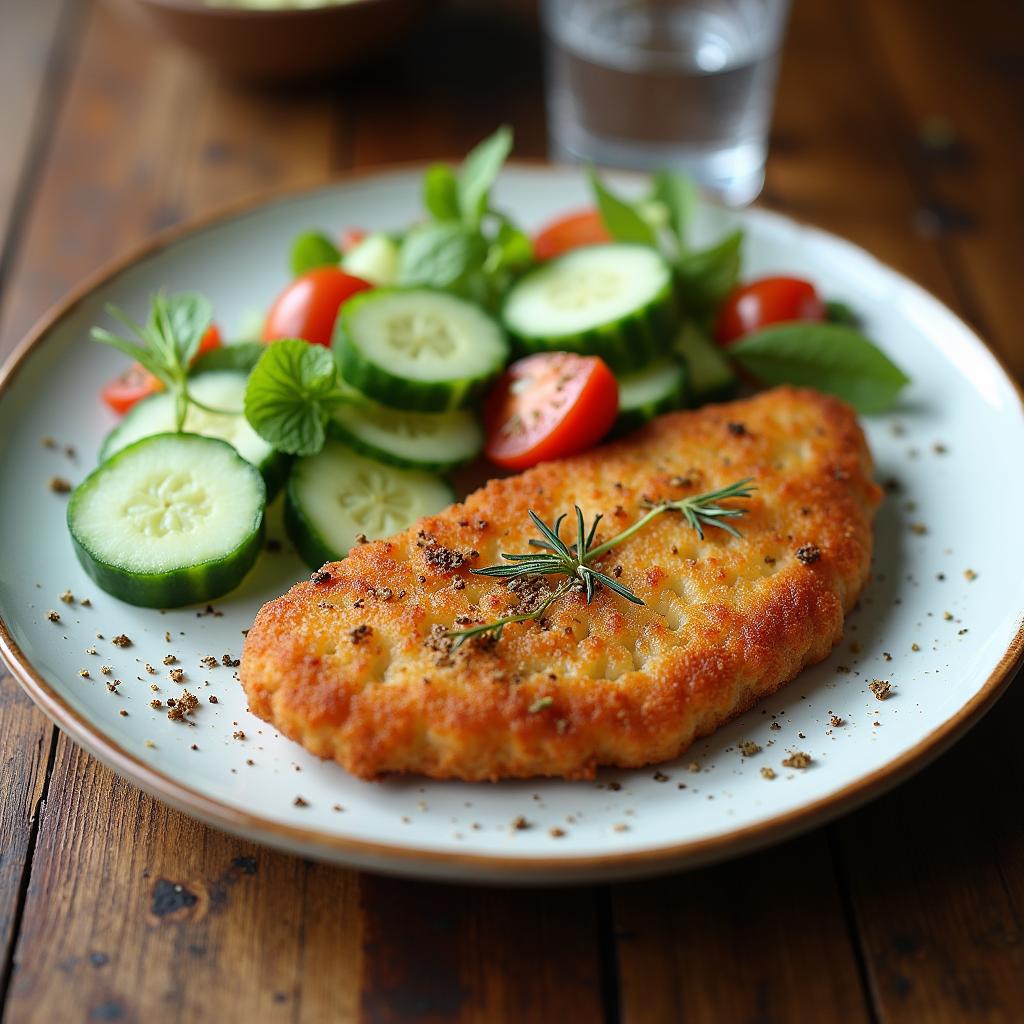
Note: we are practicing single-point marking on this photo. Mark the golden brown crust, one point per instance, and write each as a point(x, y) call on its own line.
point(725, 621)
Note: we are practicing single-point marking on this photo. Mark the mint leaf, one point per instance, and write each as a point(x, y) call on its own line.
point(623, 221)
point(511, 249)
point(679, 196)
point(479, 171)
point(313, 249)
point(706, 276)
point(290, 393)
point(829, 357)
point(441, 192)
point(439, 255)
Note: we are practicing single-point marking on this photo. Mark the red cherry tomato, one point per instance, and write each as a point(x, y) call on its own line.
point(351, 237)
point(771, 300)
point(570, 232)
point(137, 382)
point(308, 307)
point(547, 406)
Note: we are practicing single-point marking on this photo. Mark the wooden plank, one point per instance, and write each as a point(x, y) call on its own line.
point(30, 62)
point(137, 912)
point(937, 868)
point(947, 73)
point(26, 740)
point(33, 47)
point(760, 939)
point(436, 954)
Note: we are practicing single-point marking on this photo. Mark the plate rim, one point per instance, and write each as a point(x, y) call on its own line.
point(384, 856)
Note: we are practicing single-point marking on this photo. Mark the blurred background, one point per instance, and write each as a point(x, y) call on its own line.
point(898, 124)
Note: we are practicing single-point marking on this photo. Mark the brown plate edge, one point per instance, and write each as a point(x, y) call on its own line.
point(483, 868)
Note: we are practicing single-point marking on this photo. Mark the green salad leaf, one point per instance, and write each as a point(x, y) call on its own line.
point(241, 356)
point(840, 313)
point(313, 249)
point(290, 393)
point(678, 195)
point(706, 276)
point(467, 247)
point(441, 193)
point(623, 220)
point(439, 254)
point(478, 173)
point(829, 357)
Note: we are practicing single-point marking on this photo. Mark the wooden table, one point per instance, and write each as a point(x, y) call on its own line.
point(910, 910)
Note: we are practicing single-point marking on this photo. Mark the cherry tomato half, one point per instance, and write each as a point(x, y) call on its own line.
point(137, 382)
point(771, 300)
point(570, 232)
point(547, 406)
point(308, 307)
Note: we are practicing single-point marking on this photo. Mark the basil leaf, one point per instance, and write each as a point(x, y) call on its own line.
point(479, 171)
point(242, 355)
point(290, 391)
point(441, 192)
point(622, 220)
point(313, 249)
point(679, 196)
point(841, 313)
point(439, 254)
point(511, 249)
point(706, 276)
point(829, 357)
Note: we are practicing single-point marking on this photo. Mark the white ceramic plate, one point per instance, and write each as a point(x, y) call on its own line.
point(947, 643)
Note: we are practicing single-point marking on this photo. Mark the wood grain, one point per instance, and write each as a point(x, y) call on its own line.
point(760, 939)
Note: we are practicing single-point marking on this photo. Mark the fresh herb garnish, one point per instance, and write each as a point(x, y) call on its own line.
point(291, 393)
point(578, 562)
point(313, 249)
point(468, 247)
point(166, 345)
point(827, 356)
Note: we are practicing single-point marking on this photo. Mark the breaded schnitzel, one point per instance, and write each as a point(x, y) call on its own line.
point(355, 663)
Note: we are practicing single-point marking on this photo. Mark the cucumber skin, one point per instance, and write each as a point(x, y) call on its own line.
point(193, 584)
point(275, 467)
point(632, 419)
point(305, 538)
point(378, 384)
point(625, 344)
point(312, 548)
point(337, 432)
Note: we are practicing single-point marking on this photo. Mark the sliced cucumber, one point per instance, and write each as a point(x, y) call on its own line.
point(338, 495)
point(437, 441)
point(413, 348)
point(173, 519)
point(709, 377)
point(658, 388)
point(374, 259)
point(219, 389)
point(613, 301)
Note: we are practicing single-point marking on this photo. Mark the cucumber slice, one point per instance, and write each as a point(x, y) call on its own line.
point(436, 441)
point(337, 495)
point(413, 348)
point(613, 301)
point(173, 519)
point(374, 259)
point(658, 388)
point(709, 376)
point(220, 389)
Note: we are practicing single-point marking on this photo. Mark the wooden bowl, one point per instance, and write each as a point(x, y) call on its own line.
point(288, 44)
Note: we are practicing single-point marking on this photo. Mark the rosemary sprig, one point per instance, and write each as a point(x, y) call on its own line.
point(577, 562)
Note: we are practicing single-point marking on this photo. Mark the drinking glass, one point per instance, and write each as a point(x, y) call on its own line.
point(686, 84)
